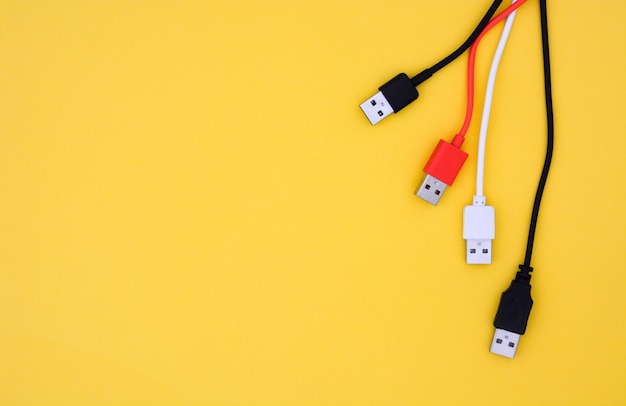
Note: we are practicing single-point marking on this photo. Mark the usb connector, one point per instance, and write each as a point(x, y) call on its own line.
point(512, 315)
point(441, 170)
point(376, 108)
point(400, 91)
point(479, 229)
point(504, 343)
point(393, 96)
point(431, 189)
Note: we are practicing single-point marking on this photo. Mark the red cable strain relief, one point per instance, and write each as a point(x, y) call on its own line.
point(458, 140)
point(445, 162)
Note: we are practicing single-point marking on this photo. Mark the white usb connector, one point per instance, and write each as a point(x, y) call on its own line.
point(479, 229)
point(479, 223)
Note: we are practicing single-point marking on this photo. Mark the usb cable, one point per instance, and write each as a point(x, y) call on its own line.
point(479, 224)
point(516, 302)
point(401, 91)
point(447, 159)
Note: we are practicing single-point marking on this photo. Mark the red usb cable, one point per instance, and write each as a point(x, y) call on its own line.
point(446, 161)
point(470, 70)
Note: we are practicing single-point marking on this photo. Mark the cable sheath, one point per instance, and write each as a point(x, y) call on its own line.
point(550, 134)
point(491, 82)
point(470, 69)
point(427, 73)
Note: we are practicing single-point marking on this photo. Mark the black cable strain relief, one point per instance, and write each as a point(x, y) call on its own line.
point(524, 273)
point(421, 77)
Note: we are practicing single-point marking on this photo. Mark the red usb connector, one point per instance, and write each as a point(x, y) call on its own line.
point(441, 169)
point(447, 159)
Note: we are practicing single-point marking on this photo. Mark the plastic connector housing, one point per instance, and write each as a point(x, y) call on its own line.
point(445, 162)
point(514, 308)
point(399, 91)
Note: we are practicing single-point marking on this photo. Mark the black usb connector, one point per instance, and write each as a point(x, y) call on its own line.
point(401, 91)
point(516, 302)
point(512, 315)
point(392, 97)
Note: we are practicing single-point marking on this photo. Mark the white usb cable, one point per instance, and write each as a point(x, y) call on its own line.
point(479, 227)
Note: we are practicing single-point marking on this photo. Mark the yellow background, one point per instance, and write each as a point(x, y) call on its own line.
point(195, 211)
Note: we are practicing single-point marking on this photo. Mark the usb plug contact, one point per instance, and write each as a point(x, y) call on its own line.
point(376, 108)
point(504, 343)
point(431, 189)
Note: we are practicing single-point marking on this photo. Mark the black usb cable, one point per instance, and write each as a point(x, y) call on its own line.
point(400, 91)
point(516, 302)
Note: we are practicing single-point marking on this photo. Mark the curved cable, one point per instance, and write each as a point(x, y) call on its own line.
point(550, 136)
point(491, 82)
point(460, 137)
point(427, 73)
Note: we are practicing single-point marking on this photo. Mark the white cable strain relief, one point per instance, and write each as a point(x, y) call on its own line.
point(479, 200)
